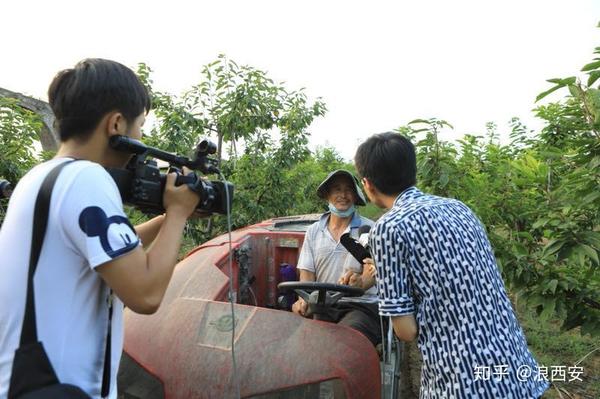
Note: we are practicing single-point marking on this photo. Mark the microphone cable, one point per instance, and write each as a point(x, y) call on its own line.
point(231, 292)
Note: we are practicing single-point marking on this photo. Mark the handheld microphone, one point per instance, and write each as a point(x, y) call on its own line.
point(356, 249)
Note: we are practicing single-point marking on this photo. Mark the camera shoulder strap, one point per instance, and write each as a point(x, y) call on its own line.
point(40, 224)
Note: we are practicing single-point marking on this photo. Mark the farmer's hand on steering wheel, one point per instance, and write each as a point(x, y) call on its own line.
point(351, 278)
point(300, 307)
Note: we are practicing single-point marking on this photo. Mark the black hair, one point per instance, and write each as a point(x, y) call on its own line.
point(82, 95)
point(388, 160)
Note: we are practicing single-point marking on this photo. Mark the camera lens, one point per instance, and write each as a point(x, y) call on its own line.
point(207, 147)
point(5, 189)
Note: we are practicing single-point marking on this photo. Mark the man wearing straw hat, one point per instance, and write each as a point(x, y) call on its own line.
point(324, 259)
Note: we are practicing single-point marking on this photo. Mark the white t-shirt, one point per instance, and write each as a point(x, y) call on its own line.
point(86, 228)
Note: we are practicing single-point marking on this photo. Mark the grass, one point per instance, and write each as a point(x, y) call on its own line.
point(553, 347)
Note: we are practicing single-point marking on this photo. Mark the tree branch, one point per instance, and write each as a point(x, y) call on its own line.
point(48, 135)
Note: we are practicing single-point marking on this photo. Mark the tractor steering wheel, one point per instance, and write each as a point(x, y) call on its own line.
point(320, 297)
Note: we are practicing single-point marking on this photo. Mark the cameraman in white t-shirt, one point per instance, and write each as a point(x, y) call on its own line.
point(90, 247)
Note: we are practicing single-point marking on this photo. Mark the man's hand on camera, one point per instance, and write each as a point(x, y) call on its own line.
point(179, 200)
point(199, 213)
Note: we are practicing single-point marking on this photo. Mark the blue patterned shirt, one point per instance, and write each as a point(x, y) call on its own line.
point(434, 261)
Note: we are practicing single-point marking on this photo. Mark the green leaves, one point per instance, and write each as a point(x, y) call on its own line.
point(549, 305)
point(436, 164)
point(552, 247)
point(18, 130)
point(263, 128)
point(591, 66)
point(589, 252)
point(551, 286)
point(418, 121)
point(433, 123)
point(559, 83)
point(538, 198)
point(591, 197)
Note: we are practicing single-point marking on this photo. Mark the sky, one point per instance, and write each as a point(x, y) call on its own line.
point(376, 64)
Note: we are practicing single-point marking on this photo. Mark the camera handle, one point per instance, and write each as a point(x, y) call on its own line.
point(196, 184)
point(192, 180)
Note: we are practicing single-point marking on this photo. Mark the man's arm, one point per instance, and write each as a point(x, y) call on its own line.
point(305, 275)
point(140, 278)
point(394, 283)
point(306, 265)
point(405, 327)
point(148, 231)
point(300, 306)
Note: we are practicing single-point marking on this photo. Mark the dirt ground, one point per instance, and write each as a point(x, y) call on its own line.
point(412, 371)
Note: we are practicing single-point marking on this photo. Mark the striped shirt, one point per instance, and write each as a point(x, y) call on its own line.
point(434, 261)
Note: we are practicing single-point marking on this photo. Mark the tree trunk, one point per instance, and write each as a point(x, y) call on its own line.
point(219, 147)
point(48, 134)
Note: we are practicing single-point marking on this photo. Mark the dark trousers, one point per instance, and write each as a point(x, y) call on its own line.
point(361, 316)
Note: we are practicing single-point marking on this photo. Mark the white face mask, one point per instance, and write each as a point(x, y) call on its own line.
point(342, 214)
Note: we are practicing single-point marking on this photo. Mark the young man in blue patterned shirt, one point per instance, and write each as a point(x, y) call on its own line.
point(438, 281)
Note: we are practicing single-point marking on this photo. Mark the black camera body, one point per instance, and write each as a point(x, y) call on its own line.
point(141, 183)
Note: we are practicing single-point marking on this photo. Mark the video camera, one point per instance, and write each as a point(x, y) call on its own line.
point(142, 185)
